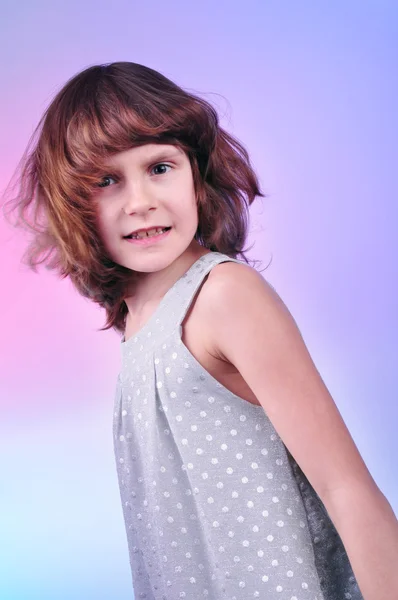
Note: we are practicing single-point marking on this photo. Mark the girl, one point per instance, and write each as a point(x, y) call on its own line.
point(238, 478)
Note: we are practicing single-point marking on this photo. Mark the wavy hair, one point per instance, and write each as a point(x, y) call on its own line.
point(106, 109)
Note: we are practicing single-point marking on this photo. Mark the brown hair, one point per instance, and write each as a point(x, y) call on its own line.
point(107, 109)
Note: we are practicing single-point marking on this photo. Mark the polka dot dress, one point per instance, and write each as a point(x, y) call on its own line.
point(214, 505)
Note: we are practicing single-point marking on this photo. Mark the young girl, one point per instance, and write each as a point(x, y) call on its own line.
point(238, 477)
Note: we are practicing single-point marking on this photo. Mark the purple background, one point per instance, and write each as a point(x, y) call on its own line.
point(311, 90)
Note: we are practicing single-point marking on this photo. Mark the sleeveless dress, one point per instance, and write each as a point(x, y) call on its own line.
point(215, 507)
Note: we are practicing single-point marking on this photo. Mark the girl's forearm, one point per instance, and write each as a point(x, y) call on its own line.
point(368, 528)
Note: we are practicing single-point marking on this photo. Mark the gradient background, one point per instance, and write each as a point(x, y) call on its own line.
point(311, 90)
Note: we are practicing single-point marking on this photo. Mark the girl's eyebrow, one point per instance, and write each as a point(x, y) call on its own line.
point(164, 154)
point(157, 156)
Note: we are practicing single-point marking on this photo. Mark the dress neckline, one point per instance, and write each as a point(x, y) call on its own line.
point(163, 300)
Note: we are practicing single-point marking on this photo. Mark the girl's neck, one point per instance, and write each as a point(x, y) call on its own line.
point(152, 287)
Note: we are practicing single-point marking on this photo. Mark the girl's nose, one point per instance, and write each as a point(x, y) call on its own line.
point(137, 199)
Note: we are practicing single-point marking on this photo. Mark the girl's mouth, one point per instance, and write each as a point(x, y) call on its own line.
point(147, 240)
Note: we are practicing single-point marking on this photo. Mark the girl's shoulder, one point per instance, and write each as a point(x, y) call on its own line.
point(229, 281)
point(229, 270)
point(235, 290)
point(235, 276)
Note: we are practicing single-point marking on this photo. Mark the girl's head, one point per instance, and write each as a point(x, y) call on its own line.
point(146, 187)
point(120, 148)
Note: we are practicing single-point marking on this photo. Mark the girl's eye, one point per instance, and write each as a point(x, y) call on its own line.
point(162, 165)
point(102, 185)
point(104, 180)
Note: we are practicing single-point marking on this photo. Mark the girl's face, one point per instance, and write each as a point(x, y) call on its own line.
point(145, 187)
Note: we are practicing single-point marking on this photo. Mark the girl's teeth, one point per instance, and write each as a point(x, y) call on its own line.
point(144, 235)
